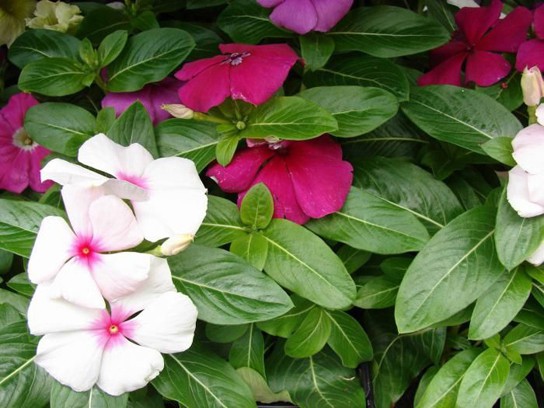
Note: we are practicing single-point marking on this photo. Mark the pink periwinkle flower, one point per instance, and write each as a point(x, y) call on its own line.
point(251, 73)
point(307, 179)
point(303, 16)
point(477, 45)
point(152, 96)
point(20, 156)
point(531, 53)
point(117, 348)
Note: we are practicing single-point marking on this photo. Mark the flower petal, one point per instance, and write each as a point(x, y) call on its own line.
point(535, 185)
point(77, 201)
point(269, 3)
point(36, 157)
point(486, 68)
point(72, 358)
point(537, 258)
point(170, 173)
point(474, 22)
point(167, 324)
point(530, 54)
point(529, 149)
point(17, 177)
point(127, 367)
point(509, 32)
point(63, 172)
point(538, 21)
point(13, 114)
point(329, 13)
point(446, 73)
point(52, 249)
point(192, 69)
point(517, 193)
point(299, 16)
point(207, 89)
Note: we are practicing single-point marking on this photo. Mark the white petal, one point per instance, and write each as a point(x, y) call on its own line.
point(120, 274)
point(63, 172)
point(170, 173)
point(537, 258)
point(125, 190)
point(114, 226)
point(48, 315)
point(77, 201)
point(158, 282)
point(75, 284)
point(517, 193)
point(540, 114)
point(127, 367)
point(52, 249)
point(72, 358)
point(535, 185)
point(529, 149)
point(167, 324)
point(104, 154)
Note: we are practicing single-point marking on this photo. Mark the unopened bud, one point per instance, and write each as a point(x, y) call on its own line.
point(178, 111)
point(175, 244)
point(532, 86)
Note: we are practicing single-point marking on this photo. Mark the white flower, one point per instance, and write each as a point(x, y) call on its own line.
point(118, 350)
point(167, 194)
point(58, 16)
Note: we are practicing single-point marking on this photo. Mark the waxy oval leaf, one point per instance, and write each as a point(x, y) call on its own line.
point(54, 77)
point(65, 397)
point(310, 336)
point(221, 225)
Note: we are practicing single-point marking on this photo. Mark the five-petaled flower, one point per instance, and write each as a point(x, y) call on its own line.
point(531, 52)
point(307, 179)
point(251, 73)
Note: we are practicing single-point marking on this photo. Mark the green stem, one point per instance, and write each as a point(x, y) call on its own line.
point(531, 111)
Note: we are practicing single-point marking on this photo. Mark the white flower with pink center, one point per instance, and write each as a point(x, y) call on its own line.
point(78, 261)
point(166, 194)
point(118, 350)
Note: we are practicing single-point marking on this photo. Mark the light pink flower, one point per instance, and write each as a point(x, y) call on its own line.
point(303, 16)
point(78, 261)
point(20, 156)
point(307, 179)
point(252, 73)
point(117, 348)
point(152, 96)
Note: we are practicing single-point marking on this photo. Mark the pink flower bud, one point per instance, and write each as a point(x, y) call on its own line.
point(532, 86)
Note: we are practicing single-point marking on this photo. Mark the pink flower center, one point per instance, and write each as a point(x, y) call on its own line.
point(84, 250)
point(236, 58)
point(136, 180)
point(22, 140)
point(111, 330)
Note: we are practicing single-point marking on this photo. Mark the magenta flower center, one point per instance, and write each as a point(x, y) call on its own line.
point(236, 58)
point(84, 250)
point(22, 140)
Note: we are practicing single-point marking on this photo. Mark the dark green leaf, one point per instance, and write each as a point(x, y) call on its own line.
point(352, 258)
point(102, 21)
point(259, 387)
point(225, 334)
point(310, 336)
point(9, 315)
point(378, 293)
point(316, 49)
point(440, 12)
point(20, 284)
point(285, 325)
point(207, 41)
point(18, 302)
point(65, 397)
point(248, 350)
point(257, 207)
point(54, 77)
point(111, 47)
point(105, 119)
point(500, 148)
point(221, 225)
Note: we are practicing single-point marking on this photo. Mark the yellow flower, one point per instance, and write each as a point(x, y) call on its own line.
point(58, 16)
point(12, 18)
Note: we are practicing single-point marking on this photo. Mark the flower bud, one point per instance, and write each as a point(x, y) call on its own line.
point(58, 16)
point(178, 111)
point(175, 244)
point(532, 86)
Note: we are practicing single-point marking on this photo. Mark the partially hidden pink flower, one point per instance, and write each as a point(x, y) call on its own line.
point(251, 73)
point(77, 260)
point(117, 348)
point(20, 156)
point(152, 96)
point(531, 52)
point(477, 46)
point(303, 16)
point(307, 179)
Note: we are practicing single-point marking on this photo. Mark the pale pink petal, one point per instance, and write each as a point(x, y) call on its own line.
point(47, 314)
point(192, 69)
point(329, 13)
point(474, 22)
point(486, 68)
point(120, 274)
point(299, 16)
point(446, 73)
point(535, 185)
point(537, 258)
point(51, 250)
point(540, 114)
point(71, 358)
point(125, 190)
point(63, 172)
point(508, 33)
point(530, 54)
point(77, 201)
point(127, 367)
point(167, 324)
point(172, 173)
point(113, 225)
point(517, 193)
point(529, 149)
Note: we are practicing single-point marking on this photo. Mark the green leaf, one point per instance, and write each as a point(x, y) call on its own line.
point(460, 116)
point(378, 293)
point(357, 110)
point(348, 339)
point(198, 378)
point(54, 77)
point(20, 284)
point(226, 289)
point(310, 336)
point(387, 32)
point(285, 325)
point(518, 372)
point(455, 267)
point(316, 49)
point(526, 233)
point(251, 247)
point(187, 138)
point(352, 258)
point(225, 149)
point(248, 351)
point(111, 47)
point(245, 21)
point(134, 126)
point(148, 57)
point(441, 12)
point(34, 45)
point(521, 396)
point(60, 127)
point(290, 118)
point(301, 262)
point(18, 302)
point(484, 380)
point(225, 334)
point(259, 387)
point(9, 315)
point(361, 70)
point(65, 397)
point(524, 340)
point(500, 148)
point(105, 119)
point(370, 223)
point(499, 305)
point(19, 224)
point(221, 225)
point(257, 207)
point(102, 21)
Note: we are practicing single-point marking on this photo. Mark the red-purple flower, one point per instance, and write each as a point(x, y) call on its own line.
point(251, 73)
point(303, 16)
point(531, 53)
point(20, 156)
point(477, 45)
point(152, 96)
point(307, 179)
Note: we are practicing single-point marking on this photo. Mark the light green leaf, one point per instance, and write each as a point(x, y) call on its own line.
point(524, 340)
point(248, 350)
point(285, 325)
point(111, 47)
point(257, 207)
point(310, 336)
point(523, 396)
point(259, 387)
point(54, 77)
point(500, 148)
point(251, 247)
point(221, 225)
point(316, 49)
point(378, 293)
point(65, 397)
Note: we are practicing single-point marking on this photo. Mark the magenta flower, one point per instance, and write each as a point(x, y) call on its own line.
point(477, 45)
point(20, 156)
point(251, 73)
point(303, 16)
point(152, 96)
point(307, 179)
point(531, 53)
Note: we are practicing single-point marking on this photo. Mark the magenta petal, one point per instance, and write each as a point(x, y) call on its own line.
point(13, 113)
point(163, 93)
point(120, 101)
point(509, 33)
point(475, 21)
point(330, 12)
point(206, 90)
point(324, 146)
point(530, 54)
point(192, 69)
point(441, 54)
point(16, 179)
point(446, 73)
point(485, 68)
point(538, 21)
point(241, 171)
point(299, 16)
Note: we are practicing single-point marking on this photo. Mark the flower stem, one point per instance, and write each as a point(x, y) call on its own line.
point(531, 111)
